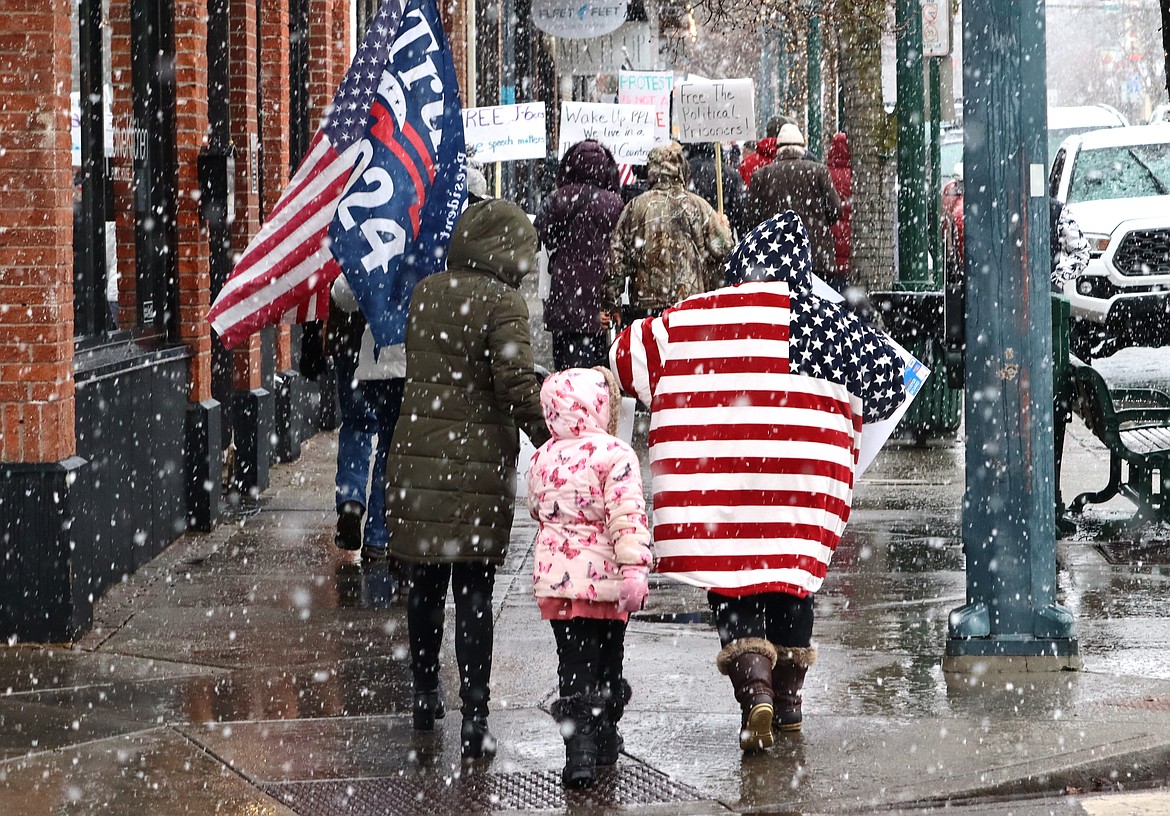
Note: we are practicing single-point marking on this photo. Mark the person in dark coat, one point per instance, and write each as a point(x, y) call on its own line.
point(701, 158)
point(451, 473)
point(793, 182)
point(841, 171)
point(764, 151)
point(575, 223)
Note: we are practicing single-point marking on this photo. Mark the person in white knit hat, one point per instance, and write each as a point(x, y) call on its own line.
point(794, 182)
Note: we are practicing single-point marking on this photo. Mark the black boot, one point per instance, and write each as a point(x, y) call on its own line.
point(578, 717)
point(609, 739)
point(427, 707)
point(349, 526)
point(475, 741)
point(748, 663)
point(787, 681)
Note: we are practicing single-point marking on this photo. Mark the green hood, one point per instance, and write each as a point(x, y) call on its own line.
point(668, 166)
point(494, 236)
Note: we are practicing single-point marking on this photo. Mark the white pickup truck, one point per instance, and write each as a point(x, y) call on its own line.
point(1116, 185)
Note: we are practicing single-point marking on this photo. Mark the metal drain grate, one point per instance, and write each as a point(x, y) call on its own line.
point(629, 783)
point(1128, 551)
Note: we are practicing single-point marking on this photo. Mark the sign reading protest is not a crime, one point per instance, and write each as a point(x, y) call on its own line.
point(717, 110)
point(578, 19)
point(505, 132)
point(627, 130)
point(649, 88)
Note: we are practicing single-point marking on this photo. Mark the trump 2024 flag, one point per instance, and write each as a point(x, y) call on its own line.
point(376, 196)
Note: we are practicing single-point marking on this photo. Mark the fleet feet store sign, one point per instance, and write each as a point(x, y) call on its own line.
point(580, 19)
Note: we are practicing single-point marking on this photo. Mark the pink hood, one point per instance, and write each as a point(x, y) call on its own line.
point(580, 401)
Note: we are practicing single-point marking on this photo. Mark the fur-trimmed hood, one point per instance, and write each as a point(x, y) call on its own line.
point(580, 401)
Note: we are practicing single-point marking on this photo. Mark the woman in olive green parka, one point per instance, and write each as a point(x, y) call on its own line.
point(451, 472)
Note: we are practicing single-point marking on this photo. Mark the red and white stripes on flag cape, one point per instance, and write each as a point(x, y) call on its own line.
point(285, 273)
point(752, 461)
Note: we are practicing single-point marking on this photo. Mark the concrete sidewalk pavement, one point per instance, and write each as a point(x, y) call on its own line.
point(258, 670)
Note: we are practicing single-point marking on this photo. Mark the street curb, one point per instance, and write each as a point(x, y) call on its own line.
point(1125, 770)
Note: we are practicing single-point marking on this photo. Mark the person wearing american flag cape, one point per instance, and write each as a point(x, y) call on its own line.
point(757, 393)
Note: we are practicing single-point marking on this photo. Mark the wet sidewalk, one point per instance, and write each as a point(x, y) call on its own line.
point(258, 670)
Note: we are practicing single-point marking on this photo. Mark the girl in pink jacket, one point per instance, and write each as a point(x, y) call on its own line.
point(592, 559)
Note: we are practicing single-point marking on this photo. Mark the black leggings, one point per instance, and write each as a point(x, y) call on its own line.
point(783, 619)
point(590, 654)
point(472, 585)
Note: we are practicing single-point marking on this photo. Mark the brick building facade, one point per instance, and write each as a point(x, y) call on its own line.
point(118, 408)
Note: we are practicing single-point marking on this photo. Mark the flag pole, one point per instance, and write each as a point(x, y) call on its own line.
point(719, 176)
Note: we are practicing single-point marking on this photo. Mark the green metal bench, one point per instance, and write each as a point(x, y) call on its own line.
point(1134, 424)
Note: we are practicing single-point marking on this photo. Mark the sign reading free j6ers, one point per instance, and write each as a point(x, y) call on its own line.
point(505, 132)
point(715, 110)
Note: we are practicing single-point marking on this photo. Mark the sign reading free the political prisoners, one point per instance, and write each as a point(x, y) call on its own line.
point(715, 110)
point(505, 132)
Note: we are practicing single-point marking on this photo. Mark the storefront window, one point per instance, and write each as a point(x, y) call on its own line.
point(94, 259)
point(142, 147)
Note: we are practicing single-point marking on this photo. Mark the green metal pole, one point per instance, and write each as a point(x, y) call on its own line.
point(934, 187)
point(765, 96)
point(913, 273)
point(1010, 619)
point(816, 136)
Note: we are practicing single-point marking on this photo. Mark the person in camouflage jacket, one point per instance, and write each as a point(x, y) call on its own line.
point(669, 243)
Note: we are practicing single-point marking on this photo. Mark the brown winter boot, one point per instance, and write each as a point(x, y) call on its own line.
point(748, 663)
point(787, 681)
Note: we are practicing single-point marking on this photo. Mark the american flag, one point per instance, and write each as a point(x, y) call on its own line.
point(757, 394)
point(359, 201)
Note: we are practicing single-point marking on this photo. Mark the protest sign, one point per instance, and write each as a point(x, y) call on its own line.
point(874, 435)
point(718, 110)
point(649, 88)
point(505, 132)
point(627, 130)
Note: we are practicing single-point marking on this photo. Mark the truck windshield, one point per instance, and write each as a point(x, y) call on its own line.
point(1126, 171)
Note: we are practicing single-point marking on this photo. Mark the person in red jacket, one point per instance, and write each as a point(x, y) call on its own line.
point(841, 171)
point(765, 150)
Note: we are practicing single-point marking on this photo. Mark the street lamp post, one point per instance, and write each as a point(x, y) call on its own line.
point(913, 273)
point(816, 137)
point(1010, 620)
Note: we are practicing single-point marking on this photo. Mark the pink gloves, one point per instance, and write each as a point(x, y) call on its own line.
point(634, 589)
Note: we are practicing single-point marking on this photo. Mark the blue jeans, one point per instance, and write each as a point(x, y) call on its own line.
point(369, 408)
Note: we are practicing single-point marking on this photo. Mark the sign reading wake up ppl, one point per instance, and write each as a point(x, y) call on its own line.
point(505, 132)
point(627, 130)
point(716, 110)
point(649, 88)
